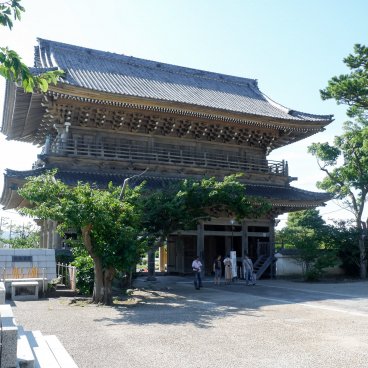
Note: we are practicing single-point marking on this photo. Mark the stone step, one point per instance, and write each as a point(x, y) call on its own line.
point(44, 357)
point(60, 353)
point(25, 357)
point(48, 352)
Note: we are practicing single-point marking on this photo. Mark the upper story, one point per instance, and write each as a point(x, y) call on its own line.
point(114, 112)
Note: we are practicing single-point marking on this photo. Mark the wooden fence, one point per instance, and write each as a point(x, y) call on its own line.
point(68, 274)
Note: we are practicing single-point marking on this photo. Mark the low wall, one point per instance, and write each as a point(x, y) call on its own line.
point(27, 263)
point(287, 265)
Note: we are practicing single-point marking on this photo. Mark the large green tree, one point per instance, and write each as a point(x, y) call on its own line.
point(108, 227)
point(11, 65)
point(345, 162)
point(307, 232)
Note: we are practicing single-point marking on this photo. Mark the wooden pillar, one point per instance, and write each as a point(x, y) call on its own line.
point(56, 239)
point(200, 240)
point(244, 238)
point(163, 258)
point(272, 247)
point(44, 234)
point(50, 233)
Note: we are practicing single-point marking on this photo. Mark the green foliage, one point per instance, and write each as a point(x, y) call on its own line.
point(351, 89)
point(345, 236)
point(23, 237)
point(114, 224)
point(9, 9)
point(181, 206)
point(307, 232)
point(116, 232)
point(346, 161)
point(85, 273)
point(11, 66)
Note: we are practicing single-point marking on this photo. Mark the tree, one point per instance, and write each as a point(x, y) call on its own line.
point(351, 89)
point(24, 236)
point(307, 232)
point(345, 162)
point(108, 228)
point(11, 66)
point(181, 206)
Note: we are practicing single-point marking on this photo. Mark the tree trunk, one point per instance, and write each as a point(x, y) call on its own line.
point(102, 288)
point(151, 258)
point(151, 265)
point(98, 287)
point(362, 259)
point(361, 226)
point(108, 277)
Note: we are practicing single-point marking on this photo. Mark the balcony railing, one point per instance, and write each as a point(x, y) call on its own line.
point(171, 156)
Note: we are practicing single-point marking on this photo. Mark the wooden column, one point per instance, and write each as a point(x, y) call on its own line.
point(244, 238)
point(200, 240)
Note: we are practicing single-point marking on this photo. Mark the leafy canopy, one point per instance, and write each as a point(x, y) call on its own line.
point(114, 224)
point(351, 89)
point(11, 66)
point(181, 206)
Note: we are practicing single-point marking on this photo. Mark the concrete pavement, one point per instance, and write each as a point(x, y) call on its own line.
point(273, 324)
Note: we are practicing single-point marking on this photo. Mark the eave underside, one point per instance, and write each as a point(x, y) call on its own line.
point(31, 117)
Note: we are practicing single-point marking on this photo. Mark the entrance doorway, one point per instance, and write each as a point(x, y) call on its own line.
point(216, 245)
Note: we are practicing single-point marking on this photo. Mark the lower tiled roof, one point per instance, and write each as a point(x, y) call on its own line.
point(277, 194)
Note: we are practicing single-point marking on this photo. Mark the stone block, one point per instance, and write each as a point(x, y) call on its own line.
point(24, 290)
point(10, 335)
point(2, 293)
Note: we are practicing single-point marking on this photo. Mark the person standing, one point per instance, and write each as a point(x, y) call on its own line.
point(217, 269)
point(248, 270)
point(197, 268)
point(228, 274)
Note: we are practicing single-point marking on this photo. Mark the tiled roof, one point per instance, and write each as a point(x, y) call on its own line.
point(130, 76)
point(101, 180)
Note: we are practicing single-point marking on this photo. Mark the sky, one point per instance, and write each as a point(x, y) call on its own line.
point(292, 47)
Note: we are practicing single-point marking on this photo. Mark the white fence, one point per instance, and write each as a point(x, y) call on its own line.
point(68, 274)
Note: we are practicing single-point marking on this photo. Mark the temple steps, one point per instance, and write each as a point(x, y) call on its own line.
point(35, 350)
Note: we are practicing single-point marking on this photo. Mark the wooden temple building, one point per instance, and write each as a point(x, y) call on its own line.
point(112, 116)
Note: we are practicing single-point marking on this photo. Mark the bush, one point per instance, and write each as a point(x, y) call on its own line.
point(85, 273)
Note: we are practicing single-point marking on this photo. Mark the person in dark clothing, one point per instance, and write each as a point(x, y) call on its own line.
point(217, 269)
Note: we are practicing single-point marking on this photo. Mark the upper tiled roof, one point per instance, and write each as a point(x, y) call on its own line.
point(130, 76)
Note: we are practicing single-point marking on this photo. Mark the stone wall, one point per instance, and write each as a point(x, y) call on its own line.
point(27, 263)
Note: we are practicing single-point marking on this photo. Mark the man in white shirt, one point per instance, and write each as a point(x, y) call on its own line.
point(197, 268)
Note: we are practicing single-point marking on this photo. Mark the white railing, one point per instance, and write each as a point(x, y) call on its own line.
point(68, 274)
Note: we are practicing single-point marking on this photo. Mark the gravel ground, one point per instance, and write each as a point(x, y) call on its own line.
point(170, 324)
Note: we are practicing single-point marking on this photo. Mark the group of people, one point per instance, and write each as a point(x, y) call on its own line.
point(247, 264)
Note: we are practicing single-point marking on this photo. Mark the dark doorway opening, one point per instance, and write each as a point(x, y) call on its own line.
point(215, 246)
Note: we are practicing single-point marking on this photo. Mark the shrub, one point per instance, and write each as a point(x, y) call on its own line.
point(85, 273)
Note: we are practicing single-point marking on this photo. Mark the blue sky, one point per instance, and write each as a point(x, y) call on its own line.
point(291, 47)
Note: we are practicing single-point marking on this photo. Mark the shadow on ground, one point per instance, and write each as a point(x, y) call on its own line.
point(178, 303)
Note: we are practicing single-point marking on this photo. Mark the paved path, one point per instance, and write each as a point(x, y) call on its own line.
point(273, 324)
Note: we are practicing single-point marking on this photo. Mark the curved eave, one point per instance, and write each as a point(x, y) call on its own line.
point(23, 113)
point(286, 198)
point(295, 121)
point(10, 198)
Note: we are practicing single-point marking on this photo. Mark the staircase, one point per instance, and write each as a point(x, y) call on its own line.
point(262, 264)
point(35, 350)
point(29, 349)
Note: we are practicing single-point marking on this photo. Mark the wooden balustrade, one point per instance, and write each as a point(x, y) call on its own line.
point(175, 156)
